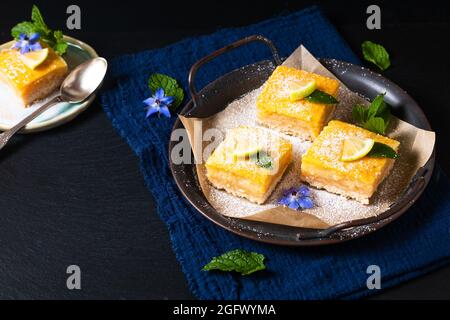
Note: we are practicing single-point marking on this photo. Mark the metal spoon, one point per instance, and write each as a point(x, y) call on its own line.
point(83, 81)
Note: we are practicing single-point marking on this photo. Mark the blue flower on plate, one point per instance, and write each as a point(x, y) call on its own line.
point(159, 103)
point(297, 198)
point(27, 44)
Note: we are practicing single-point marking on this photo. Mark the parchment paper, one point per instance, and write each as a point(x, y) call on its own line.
point(330, 209)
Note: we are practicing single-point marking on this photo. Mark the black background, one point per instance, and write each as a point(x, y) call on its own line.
point(74, 195)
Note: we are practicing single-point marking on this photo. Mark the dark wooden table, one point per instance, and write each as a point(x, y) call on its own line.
point(74, 195)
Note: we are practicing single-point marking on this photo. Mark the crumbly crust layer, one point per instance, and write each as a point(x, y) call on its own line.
point(221, 180)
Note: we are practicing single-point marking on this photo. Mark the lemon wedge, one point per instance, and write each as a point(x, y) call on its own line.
point(303, 91)
point(246, 151)
point(355, 148)
point(34, 58)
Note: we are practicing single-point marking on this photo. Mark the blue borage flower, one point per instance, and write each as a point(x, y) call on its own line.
point(297, 198)
point(159, 103)
point(27, 44)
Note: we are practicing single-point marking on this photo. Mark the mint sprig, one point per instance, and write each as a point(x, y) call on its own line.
point(53, 39)
point(321, 97)
point(381, 150)
point(170, 86)
point(237, 260)
point(375, 118)
point(376, 54)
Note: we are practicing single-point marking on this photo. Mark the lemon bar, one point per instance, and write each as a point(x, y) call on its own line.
point(249, 162)
point(29, 84)
point(321, 165)
point(299, 118)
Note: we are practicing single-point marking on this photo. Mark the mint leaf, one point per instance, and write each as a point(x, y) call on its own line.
point(377, 105)
point(379, 108)
point(262, 159)
point(38, 22)
point(237, 260)
point(61, 45)
point(376, 124)
point(179, 96)
point(376, 54)
point(380, 150)
point(23, 27)
point(321, 97)
point(385, 113)
point(359, 114)
point(170, 86)
point(159, 80)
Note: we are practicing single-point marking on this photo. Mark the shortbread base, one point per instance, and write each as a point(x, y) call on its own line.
point(357, 191)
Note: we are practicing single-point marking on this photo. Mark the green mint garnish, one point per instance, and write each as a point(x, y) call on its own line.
point(59, 44)
point(376, 124)
point(262, 159)
point(170, 86)
point(380, 150)
point(26, 27)
point(376, 54)
point(359, 114)
point(53, 39)
point(321, 97)
point(375, 118)
point(237, 260)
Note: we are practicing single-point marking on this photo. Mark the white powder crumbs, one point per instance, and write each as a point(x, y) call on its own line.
point(330, 208)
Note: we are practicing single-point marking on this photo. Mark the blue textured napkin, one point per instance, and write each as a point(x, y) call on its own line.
point(416, 243)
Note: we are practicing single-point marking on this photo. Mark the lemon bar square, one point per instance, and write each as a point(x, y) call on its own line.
point(232, 168)
point(29, 84)
point(321, 165)
point(299, 118)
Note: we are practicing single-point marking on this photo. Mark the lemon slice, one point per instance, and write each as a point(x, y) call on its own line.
point(246, 151)
point(34, 58)
point(303, 91)
point(355, 148)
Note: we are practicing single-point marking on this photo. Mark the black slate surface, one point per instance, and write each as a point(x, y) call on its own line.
point(74, 195)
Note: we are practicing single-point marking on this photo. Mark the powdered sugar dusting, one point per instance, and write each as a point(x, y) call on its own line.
point(330, 208)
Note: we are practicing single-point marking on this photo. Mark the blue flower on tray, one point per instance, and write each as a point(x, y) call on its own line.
point(297, 198)
point(158, 103)
point(27, 44)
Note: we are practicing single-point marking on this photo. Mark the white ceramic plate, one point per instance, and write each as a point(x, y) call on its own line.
point(77, 53)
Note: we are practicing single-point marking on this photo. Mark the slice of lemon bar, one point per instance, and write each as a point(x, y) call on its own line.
point(276, 110)
point(322, 166)
point(249, 162)
point(29, 84)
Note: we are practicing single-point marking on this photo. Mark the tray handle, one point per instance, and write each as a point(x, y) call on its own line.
point(234, 45)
